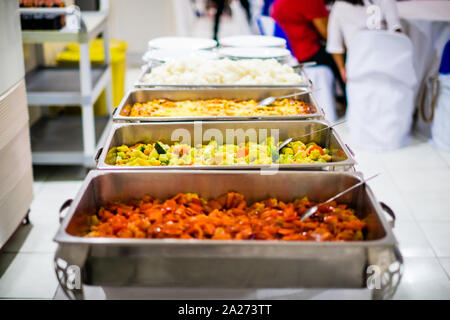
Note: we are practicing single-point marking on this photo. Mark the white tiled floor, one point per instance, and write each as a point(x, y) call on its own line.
point(27, 275)
point(26, 263)
point(423, 278)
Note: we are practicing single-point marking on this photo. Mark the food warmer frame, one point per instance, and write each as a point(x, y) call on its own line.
point(170, 132)
point(226, 263)
point(233, 92)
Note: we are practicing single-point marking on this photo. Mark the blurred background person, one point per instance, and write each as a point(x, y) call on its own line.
point(348, 17)
point(266, 7)
point(220, 7)
point(305, 24)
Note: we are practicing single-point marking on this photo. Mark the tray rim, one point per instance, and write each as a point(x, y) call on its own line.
point(101, 165)
point(319, 114)
point(62, 237)
point(147, 68)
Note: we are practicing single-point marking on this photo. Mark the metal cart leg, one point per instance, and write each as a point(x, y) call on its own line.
point(107, 52)
point(40, 61)
point(87, 110)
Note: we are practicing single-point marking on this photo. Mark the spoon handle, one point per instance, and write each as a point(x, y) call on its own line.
point(305, 64)
point(285, 142)
point(322, 129)
point(297, 94)
point(312, 210)
point(351, 188)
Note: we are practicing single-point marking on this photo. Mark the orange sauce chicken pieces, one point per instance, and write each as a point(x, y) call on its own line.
point(229, 217)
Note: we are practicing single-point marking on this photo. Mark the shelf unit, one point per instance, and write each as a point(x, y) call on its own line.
point(46, 138)
point(63, 86)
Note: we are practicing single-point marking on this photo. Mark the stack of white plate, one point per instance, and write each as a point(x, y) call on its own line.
point(254, 47)
point(183, 43)
point(282, 55)
point(16, 174)
point(164, 55)
point(174, 48)
point(253, 41)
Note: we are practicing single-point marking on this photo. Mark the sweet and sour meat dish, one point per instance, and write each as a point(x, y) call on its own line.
point(229, 217)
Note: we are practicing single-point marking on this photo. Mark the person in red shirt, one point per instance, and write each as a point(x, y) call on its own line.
point(305, 24)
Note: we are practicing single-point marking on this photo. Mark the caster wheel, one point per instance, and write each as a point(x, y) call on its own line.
point(26, 220)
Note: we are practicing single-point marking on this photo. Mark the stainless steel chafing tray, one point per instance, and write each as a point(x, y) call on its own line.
point(190, 93)
point(130, 134)
point(225, 263)
point(147, 69)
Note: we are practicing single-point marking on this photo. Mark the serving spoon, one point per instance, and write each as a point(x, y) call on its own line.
point(288, 140)
point(304, 64)
point(269, 100)
point(313, 209)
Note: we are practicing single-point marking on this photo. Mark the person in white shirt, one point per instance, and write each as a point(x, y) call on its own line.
point(348, 17)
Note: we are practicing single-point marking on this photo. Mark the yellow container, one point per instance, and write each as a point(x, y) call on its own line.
point(71, 58)
point(114, 45)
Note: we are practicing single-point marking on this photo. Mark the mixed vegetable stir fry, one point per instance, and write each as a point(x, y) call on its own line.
point(160, 154)
point(229, 217)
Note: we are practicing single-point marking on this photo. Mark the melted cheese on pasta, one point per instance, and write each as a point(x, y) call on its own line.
point(215, 107)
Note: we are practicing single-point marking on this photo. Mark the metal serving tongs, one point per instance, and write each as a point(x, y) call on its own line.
point(288, 140)
point(312, 210)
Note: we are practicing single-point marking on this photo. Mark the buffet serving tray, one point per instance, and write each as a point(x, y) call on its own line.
point(132, 133)
point(232, 92)
point(146, 69)
point(224, 263)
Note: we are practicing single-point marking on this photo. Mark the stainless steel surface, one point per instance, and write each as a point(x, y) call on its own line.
point(58, 140)
point(222, 263)
point(14, 205)
point(288, 140)
point(313, 209)
point(16, 174)
point(148, 69)
point(169, 133)
point(61, 86)
point(192, 93)
point(89, 26)
point(270, 100)
point(11, 52)
point(72, 86)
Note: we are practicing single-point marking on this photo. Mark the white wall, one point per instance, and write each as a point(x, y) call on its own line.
point(138, 21)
